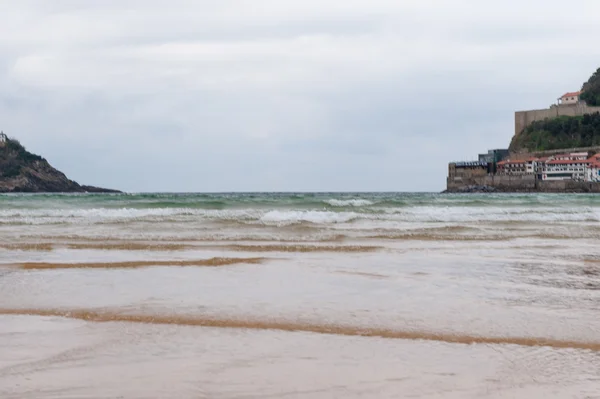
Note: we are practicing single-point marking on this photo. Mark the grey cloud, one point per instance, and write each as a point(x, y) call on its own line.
point(270, 95)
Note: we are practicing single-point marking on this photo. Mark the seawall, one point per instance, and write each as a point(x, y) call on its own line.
point(521, 184)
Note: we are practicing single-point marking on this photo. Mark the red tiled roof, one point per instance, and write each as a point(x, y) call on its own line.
point(571, 94)
point(508, 161)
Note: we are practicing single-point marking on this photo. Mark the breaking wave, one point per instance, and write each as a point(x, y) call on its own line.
point(350, 202)
point(286, 217)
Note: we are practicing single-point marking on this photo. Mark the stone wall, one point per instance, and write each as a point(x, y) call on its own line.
point(499, 182)
point(455, 172)
point(524, 183)
point(525, 118)
point(567, 186)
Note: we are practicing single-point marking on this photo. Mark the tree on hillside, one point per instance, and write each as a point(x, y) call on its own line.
point(591, 90)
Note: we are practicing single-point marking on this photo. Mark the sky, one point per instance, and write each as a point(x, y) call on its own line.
point(278, 95)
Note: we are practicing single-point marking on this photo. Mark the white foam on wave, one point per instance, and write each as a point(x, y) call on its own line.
point(350, 202)
point(282, 218)
point(497, 214)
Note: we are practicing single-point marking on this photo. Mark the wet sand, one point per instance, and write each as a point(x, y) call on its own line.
point(381, 307)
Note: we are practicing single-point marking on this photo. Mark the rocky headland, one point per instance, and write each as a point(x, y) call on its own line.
point(24, 172)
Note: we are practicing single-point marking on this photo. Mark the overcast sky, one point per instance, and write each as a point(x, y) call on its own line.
point(276, 95)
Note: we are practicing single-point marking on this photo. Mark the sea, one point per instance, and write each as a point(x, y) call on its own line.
point(299, 295)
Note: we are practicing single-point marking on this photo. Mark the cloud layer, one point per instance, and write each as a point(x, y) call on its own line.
point(272, 95)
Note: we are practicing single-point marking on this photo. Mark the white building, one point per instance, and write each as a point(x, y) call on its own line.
point(517, 167)
point(593, 170)
point(3, 138)
point(593, 173)
point(565, 169)
point(569, 98)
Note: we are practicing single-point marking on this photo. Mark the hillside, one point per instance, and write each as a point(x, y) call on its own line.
point(591, 90)
point(22, 171)
point(561, 132)
point(564, 131)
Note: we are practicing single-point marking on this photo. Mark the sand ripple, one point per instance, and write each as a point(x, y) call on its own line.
point(291, 326)
point(212, 262)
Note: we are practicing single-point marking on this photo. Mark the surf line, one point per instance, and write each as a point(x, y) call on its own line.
point(295, 326)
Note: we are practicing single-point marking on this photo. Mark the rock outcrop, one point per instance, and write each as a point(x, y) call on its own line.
point(22, 171)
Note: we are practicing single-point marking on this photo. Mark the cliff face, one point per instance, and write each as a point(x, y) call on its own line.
point(22, 171)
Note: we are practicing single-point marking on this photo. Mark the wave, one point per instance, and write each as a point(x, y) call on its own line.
point(297, 326)
point(350, 202)
point(287, 217)
point(282, 218)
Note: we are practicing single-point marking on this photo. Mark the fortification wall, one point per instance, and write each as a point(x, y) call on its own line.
point(525, 118)
point(538, 154)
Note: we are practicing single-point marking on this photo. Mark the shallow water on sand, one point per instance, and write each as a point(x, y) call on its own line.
point(299, 296)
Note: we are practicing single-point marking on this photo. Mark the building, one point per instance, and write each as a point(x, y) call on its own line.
point(493, 156)
point(593, 172)
point(3, 138)
point(467, 170)
point(556, 172)
point(569, 98)
point(593, 169)
point(517, 167)
point(566, 169)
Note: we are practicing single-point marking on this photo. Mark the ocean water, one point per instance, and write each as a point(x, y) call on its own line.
point(327, 295)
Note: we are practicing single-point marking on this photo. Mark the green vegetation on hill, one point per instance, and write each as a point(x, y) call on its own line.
point(21, 152)
point(591, 90)
point(561, 132)
point(13, 157)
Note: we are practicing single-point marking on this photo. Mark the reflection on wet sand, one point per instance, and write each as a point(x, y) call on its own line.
point(119, 246)
point(302, 248)
point(362, 274)
point(213, 262)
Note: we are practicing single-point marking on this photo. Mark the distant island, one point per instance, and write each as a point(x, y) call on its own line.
point(556, 149)
point(24, 172)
